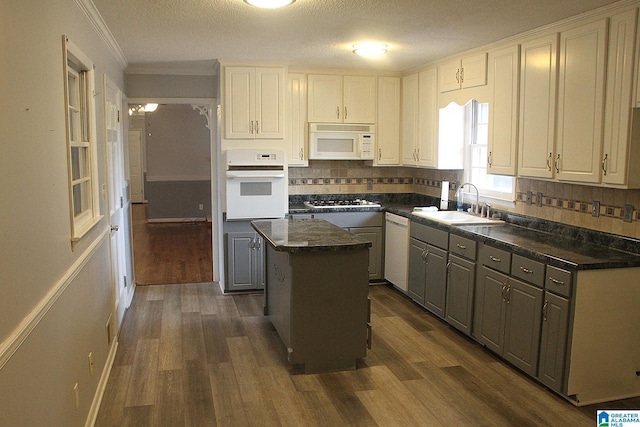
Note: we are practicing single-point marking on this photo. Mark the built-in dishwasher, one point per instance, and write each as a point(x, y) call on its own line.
point(396, 250)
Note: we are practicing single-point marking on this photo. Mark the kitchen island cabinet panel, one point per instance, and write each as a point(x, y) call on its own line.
point(316, 292)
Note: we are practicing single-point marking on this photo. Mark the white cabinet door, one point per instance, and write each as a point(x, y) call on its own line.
point(474, 71)
point(503, 111)
point(296, 124)
point(449, 76)
point(254, 100)
point(581, 102)
point(410, 119)
point(269, 103)
point(463, 73)
point(536, 133)
point(338, 99)
point(359, 99)
point(240, 102)
point(616, 160)
point(427, 143)
point(325, 98)
point(388, 123)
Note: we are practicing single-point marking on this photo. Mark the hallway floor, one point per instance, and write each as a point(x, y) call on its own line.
point(170, 252)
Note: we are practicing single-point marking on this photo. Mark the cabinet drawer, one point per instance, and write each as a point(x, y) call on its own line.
point(558, 280)
point(496, 259)
point(431, 235)
point(462, 246)
point(528, 270)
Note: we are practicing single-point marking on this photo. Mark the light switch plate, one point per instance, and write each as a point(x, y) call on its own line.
point(539, 199)
point(595, 209)
point(529, 197)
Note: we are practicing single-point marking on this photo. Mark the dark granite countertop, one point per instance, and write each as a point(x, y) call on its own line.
point(306, 235)
point(547, 247)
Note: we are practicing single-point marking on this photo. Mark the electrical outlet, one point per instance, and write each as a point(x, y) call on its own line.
point(628, 213)
point(529, 197)
point(369, 184)
point(595, 209)
point(539, 199)
point(200, 206)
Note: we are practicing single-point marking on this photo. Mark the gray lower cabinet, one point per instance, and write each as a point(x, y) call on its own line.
point(507, 311)
point(553, 342)
point(460, 287)
point(374, 235)
point(244, 257)
point(428, 256)
point(366, 224)
point(461, 280)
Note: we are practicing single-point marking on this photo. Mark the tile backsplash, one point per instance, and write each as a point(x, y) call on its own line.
point(570, 204)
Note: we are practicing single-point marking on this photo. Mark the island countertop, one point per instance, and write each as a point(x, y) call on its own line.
point(305, 235)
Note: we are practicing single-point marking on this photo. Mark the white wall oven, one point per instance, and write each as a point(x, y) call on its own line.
point(256, 185)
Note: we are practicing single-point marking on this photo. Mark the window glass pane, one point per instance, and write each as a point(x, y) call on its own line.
point(81, 197)
point(79, 160)
point(476, 172)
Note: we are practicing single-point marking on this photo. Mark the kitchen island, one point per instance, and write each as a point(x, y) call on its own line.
point(316, 292)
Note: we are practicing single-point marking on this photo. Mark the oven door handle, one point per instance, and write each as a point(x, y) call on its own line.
point(254, 174)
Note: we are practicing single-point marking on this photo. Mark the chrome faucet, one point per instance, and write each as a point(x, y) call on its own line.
point(460, 196)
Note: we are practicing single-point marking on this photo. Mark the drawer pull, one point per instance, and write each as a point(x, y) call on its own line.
point(494, 259)
point(463, 247)
point(556, 281)
point(526, 270)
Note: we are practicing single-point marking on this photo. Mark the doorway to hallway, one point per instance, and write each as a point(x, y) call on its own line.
point(174, 252)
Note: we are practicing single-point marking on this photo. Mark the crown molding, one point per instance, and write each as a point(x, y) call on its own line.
point(93, 16)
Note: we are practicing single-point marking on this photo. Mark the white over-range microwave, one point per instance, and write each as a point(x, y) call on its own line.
point(341, 141)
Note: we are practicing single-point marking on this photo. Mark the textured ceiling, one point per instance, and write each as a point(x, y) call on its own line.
point(318, 33)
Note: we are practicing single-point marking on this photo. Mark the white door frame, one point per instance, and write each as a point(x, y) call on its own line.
point(208, 108)
point(117, 197)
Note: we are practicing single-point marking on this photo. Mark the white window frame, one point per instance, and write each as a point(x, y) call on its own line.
point(82, 164)
point(487, 194)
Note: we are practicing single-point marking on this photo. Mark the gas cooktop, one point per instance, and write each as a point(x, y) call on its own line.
point(340, 204)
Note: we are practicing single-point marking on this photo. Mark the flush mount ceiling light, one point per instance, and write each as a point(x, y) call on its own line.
point(269, 4)
point(370, 49)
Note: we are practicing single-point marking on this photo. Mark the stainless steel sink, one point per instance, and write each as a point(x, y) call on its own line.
point(456, 218)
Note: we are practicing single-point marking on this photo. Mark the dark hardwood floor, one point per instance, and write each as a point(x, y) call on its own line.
point(189, 355)
point(170, 252)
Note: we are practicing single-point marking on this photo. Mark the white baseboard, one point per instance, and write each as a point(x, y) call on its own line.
point(163, 220)
point(102, 385)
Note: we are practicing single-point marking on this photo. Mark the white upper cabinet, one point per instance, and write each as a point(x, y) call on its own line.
point(254, 103)
point(422, 145)
point(341, 99)
point(388, 124)
point(581, 102)
point(503, 117)
point(538, 85)
point(464, 73)
point(428, 153)
point(410, 111)
point(297, 152)
point(621, 154)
